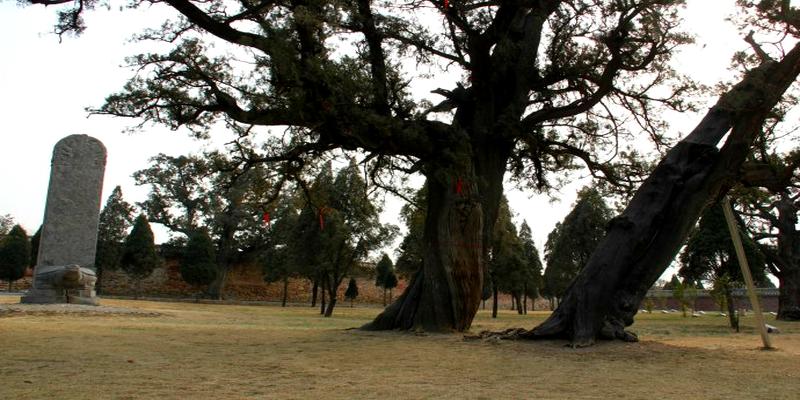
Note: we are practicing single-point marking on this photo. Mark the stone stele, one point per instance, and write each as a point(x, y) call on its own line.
point(65, 271)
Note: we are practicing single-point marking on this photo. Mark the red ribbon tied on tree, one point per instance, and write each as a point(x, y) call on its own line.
point(459, 186)
point(266, 219)
point(446, 4)
point(322, 211)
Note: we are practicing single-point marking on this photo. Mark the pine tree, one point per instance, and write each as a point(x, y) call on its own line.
point(571, 243)
point(382, 271)
point(198, 266)
point(352, 291)
point(115, 219)
point(390, 282)
point(139, 257)
point(15, 252)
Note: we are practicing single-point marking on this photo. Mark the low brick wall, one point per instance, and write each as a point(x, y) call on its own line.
point(244, 283)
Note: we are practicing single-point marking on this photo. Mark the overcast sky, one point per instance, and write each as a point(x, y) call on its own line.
point(46, 85)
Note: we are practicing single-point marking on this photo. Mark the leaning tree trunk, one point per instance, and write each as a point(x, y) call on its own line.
point(640, 243)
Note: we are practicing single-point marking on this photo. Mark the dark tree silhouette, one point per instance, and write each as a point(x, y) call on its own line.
point(352, 291)
point(198, 265)
point(115, 219)
point(15, 252)
point(139, 257)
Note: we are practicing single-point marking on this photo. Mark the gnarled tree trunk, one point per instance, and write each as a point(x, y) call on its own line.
point(444, 295)
point(643, 240)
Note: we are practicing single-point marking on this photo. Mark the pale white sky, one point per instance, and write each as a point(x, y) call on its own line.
point(46, 85)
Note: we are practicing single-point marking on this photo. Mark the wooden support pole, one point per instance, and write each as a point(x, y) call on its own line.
point(748, 278)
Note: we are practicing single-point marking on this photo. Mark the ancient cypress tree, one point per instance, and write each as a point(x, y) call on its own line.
point(640, 243)
point(542, 83)
point(115, 219)
point(139, 257)
point(15, 252)
point(352, 291)
point(538, 81)
point(198, 265)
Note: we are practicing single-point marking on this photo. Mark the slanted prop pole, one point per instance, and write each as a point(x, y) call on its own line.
point(748, 278)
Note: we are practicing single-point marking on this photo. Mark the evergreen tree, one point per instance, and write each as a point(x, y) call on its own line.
point(15, 253)
point(215, 191)
point(533, 278)
point(508, 267)
point(383, 270)
point(390, 282)
point(276, 264)
point(115, 219)
point(338, 228)
point(35, 239)
point(572, 241)
point(709, 255)
point(139, 257)
point(198, 265)
point(352, 291)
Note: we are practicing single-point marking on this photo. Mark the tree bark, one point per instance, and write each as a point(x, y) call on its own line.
point(733, 318)
point(322, 296)
point(444, 295)
point(640, 243)
point(525, 298)
point(494, 301)
point(314, 293)
point(285, 294)
point(518, 300)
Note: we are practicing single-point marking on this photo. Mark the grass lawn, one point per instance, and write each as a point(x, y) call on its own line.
point(200, 351)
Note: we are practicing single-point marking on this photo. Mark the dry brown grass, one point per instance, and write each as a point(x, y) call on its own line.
point(195, 351)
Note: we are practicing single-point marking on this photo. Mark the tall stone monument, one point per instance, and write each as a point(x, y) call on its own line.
point(65, 271)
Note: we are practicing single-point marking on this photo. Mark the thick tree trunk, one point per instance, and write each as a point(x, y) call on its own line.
point(384, 297)
point(494, 301)
point(331, 305)
point(789, 295)
point(217, 287)
point(444, 295)
point(639, 245)
point(285, 293)
point(518, 300)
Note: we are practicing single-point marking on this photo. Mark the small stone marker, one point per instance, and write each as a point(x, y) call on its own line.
point(65, 271)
